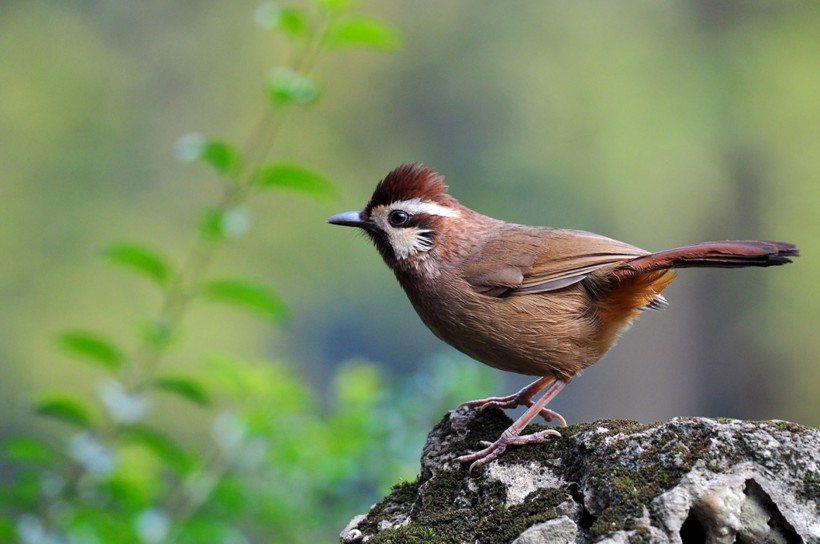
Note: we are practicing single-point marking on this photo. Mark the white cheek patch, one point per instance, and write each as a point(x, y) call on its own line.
point(407, 241)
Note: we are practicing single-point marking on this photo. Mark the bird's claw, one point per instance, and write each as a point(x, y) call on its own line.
point(549, 415)
point(510, 437)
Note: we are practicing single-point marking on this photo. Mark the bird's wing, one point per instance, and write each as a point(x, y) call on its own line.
point(522, 260)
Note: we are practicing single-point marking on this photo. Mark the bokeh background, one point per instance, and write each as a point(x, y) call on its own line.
point(659, 124)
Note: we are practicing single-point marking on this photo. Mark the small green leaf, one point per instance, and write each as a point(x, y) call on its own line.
point(286, 86)
point(140, 259)
point(91, 347)
point(250, 296)
point(363, 33)
point(162, 446)
point(64, 408)
point(28, 450)
point(291, 20)
point(221, 155)
point(295, 177)
point(219, 224)
point(184, 387)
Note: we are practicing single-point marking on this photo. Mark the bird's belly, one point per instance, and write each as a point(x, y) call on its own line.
point(541, 335)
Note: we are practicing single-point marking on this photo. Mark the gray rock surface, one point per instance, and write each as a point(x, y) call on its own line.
point(688, 480)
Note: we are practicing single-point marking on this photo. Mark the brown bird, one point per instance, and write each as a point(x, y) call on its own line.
point(539, 301)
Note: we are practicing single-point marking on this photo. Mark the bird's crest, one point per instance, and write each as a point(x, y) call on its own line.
point(407, 182)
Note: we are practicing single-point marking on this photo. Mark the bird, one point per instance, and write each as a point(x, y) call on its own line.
point(539, 301)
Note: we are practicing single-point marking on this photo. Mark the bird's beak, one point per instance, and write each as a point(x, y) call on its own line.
point(350, 219)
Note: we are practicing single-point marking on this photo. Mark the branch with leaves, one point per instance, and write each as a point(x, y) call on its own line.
point(119, 478)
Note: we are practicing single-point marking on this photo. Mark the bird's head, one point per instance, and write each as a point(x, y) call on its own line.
point(408, 216)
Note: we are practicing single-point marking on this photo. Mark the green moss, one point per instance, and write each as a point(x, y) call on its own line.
point(398, 502)
point(405, 492)
point(443, 519)
point(408, 534)
point(489, 523)
point(786, 426)
point(811, 486)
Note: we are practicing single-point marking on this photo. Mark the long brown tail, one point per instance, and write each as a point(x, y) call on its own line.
point(725, 254)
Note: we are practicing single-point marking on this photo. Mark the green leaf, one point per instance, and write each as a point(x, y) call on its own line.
point(91, 347)
point(140, 259)
point(297, 178)
point(64, 408)
point(219, 224)
point(162, 446)
point(363, 33)
point(290, 20)
point(184, 387)
point(286, 86)
point(250, 296)
point(221, 155)
point(27, 449)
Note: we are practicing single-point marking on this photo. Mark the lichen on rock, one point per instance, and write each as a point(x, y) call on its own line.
point(682, 481)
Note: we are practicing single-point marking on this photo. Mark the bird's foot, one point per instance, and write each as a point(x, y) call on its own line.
point(522, 398)
point(510, 437)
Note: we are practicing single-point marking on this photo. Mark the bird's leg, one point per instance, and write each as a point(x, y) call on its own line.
point(512, 436)
point(522, 398)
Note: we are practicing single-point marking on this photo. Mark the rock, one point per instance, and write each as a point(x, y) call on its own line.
point(561, 529)
point(688, 480)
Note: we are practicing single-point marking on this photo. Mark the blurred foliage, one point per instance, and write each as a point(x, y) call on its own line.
point(277, 465)
point(658, 124)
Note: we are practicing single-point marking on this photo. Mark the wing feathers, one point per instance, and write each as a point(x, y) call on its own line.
point(526, 260)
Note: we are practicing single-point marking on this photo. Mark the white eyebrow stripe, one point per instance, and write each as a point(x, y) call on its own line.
point(416, 205)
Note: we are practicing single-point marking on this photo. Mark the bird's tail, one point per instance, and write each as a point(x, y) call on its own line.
point(725, 254)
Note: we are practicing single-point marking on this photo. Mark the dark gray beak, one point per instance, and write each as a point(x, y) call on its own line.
point(350, 219)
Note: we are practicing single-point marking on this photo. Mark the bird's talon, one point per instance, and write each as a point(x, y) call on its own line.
point(535, 438)
point(550, 415)
point(510, 437)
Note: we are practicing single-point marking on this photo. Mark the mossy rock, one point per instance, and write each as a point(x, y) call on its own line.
point(685, 480)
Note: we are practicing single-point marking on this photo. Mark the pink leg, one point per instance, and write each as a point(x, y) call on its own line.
point(512, 436)
point(522, 398)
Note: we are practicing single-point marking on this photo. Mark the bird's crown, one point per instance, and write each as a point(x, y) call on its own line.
point(410, 182)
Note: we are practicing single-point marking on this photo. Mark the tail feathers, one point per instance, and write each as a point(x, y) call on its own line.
point(725, 254)
point(658, 303)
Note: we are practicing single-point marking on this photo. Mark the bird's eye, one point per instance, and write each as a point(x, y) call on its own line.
point(397, 218)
